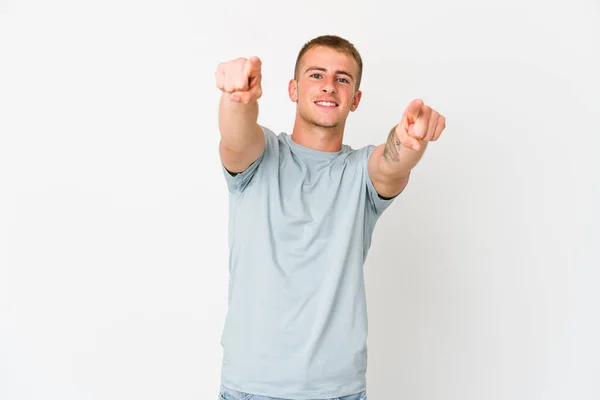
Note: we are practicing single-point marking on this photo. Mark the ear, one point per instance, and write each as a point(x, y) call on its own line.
point(356, 100)
point(293, 90)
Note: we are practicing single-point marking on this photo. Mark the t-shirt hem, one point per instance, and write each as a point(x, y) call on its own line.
point(277, 392)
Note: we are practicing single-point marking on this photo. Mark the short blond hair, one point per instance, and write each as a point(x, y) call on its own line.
point(336, 43)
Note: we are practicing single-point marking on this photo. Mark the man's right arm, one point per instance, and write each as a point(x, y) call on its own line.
point(242, 139)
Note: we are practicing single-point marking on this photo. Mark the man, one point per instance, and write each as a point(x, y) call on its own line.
point(302, 211)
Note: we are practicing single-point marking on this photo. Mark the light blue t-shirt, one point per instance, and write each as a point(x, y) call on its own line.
point(300, 226)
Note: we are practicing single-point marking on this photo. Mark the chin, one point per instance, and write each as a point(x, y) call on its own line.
point(325, 124)
point(319, 121)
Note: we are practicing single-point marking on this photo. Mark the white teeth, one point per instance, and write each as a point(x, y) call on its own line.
point(326, 103)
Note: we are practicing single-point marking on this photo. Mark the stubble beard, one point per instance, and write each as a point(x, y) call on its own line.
point(312, 122)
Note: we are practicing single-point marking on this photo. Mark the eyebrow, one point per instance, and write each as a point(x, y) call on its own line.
point(338, 72)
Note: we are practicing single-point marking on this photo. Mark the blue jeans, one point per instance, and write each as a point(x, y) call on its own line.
point(230, 394)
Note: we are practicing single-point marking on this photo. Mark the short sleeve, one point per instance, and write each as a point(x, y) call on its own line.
point(377, 203)
point(237, 182)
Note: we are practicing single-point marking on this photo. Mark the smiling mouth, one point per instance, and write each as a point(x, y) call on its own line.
point(326, 103)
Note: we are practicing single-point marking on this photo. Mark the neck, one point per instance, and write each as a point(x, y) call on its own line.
point(317, 137)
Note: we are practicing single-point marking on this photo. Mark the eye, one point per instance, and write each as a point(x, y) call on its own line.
point(315, 75)
point(343, 80)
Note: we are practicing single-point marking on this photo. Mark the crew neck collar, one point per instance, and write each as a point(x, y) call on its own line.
point(312, 152)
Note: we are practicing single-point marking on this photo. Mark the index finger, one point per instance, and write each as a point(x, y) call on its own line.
point(413, 110)
point(253, 66)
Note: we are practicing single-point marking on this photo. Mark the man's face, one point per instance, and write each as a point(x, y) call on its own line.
point(325, 91)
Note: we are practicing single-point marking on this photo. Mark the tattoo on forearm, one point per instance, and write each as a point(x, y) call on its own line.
point(390, 152)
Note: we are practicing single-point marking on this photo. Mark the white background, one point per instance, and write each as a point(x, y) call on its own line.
point(482, 280)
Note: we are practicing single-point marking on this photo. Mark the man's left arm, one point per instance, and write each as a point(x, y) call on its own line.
point(391, 162)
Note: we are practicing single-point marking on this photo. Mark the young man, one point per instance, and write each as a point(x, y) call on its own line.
point(303, 208)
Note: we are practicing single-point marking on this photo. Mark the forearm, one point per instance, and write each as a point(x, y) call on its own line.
point(397, 160)
point(238, 124)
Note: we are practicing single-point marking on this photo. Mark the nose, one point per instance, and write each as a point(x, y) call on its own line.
point(328, 86)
